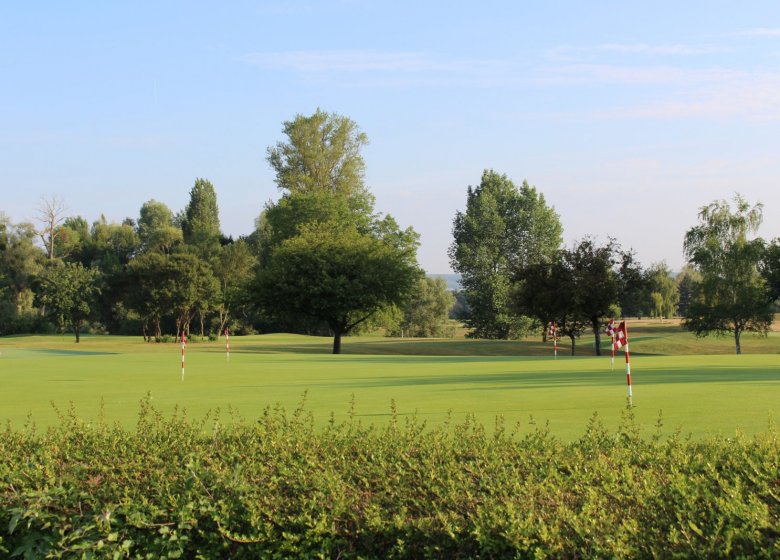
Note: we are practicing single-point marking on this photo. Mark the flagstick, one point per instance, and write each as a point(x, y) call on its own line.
point(555, 345)
point(612, 360)
point(183, 345)
point(628, 372)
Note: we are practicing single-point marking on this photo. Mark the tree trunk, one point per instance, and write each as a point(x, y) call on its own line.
point(597, 335)
point(77, 330)
point(737, 334)
point(572, 344)
point(337, 341)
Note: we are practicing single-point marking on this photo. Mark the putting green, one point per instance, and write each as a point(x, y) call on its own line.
point(702, 395)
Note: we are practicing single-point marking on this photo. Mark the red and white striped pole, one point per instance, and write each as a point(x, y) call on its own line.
point(628, 371)
point(183, 346)
point(227, 343)
point(613, 352)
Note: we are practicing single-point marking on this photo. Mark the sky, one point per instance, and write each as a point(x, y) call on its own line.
point(627, 116)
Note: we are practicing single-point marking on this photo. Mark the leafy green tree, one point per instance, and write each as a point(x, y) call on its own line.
point(426, 311)
point(321, 154)
point(335, 275)
point(687, 281)
point(156, 228)
point(663, 290)
point(73, 240)
point(200, 223)
point(20, 263)
point(551, 292)
point(595, 282)
point(68, 291)
point(770, 269)
point(632, 286)
point(732, 296)
point(503, 230)
point(146, 291)
point(233, 268)
point(321, 173)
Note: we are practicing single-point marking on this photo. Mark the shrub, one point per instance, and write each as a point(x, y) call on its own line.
point(279, 488)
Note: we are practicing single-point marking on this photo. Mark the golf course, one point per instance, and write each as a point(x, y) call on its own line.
point(696, 386)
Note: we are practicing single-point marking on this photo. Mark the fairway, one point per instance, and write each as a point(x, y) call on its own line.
point(701, 395)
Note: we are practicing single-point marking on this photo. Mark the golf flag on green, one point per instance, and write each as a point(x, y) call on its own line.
point(183, 346)
point(553, 332)
point(610, 332)
point(621, 339)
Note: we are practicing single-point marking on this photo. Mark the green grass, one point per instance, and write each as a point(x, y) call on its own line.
point(697, 385)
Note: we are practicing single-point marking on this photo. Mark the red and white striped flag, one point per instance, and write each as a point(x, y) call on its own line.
point(553, 329)
point(609, 330)
point(621, 338)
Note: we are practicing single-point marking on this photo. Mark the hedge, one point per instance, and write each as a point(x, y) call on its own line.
point(280, 488)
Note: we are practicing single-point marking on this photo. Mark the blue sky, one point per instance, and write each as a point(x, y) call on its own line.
point(627, 116)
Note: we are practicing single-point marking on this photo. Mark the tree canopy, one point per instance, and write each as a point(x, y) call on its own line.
point(503, 230)
point(732, 295)
point(336, 275)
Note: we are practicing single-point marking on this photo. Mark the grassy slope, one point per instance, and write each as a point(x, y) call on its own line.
point(711, 392)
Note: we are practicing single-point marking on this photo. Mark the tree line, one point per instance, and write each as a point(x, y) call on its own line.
point(323, 260)
point(517, 276)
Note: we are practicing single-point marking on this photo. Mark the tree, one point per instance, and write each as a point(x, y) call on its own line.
point(321, 154)
point(663, 290)
point(321, 172)
point(426, 312)
point(595, 285)
point(20, 264)
point(336, 275)
point(503, 230)
point(68, 291)
point(552, 292)
point(156, 229)
point(770, 269)
point(733, 296)
point(632, 286)
point(233, 269)
point(200, 223)
point(51, 213)
point(687, 280)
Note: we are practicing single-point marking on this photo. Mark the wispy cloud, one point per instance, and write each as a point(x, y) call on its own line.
point(372, 68)
point(756, 32)
point(612, 74)
point(572, 52)
point(750, 96)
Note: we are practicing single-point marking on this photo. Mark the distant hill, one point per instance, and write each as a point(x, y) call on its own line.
point(453, 280)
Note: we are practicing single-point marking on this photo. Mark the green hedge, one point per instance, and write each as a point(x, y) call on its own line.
point(279, 488)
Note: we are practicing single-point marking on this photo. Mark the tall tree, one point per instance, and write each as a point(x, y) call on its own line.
point(770, 269)
point(20, 263)
point(663, 290)
point(686, 280)
point(321, 154)
point(156, 229)
point(632, 286)
point(321, 173)
point(51, 213)
point(68, 291)
point(336, 275)
point(553, 292)
point(733, 296)
point(426, 312)
point(595, 282)
point(503, 230)
point(233, 269)
point(200, 224)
